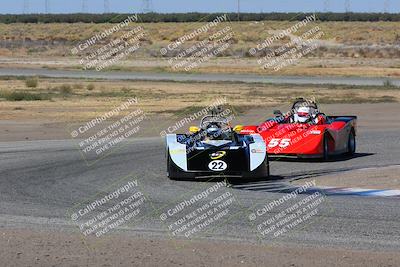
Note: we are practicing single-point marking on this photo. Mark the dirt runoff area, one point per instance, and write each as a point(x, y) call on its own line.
point(368, 178)
point(46, 248)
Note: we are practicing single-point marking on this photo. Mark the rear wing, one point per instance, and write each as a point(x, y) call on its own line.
point(345, 118)
point(349, 119)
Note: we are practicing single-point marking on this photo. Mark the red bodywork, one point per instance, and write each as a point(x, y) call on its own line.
point(303, 139)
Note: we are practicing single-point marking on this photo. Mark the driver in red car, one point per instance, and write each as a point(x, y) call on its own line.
point(308, 114)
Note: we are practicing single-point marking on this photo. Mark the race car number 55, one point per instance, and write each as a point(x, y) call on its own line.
point(217, 165)
point(279, 142)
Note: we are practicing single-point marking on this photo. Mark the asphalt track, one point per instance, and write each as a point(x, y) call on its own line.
point(179, 77)
point(40, 181)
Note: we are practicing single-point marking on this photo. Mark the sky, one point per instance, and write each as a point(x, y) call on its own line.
point(168, 6)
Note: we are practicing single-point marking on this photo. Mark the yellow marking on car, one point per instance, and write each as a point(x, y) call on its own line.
point(218, 155)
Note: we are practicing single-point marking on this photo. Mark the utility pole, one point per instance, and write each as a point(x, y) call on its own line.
point(386, 7)
point(147, 6)
point(84, 6)
point(326, 6)
point(47, 6)
point(26, 6)
point(347, 6)
point(106, 6)
point(238, 10)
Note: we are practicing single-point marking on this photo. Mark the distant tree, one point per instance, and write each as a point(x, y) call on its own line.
point(192, 17)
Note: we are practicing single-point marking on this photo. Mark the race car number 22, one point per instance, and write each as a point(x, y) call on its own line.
point(217, 165)
point(279, 142)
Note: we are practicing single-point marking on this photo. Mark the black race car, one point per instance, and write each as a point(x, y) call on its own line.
point(216, 149)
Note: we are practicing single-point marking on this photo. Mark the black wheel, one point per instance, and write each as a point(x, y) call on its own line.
point(268, 168)
point(170, 171)
point(174, 173)
point(325, 155)
point(351, 145)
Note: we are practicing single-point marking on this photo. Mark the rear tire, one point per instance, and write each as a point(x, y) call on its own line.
point(268, 168)
point(351, 145)
point(325, 155)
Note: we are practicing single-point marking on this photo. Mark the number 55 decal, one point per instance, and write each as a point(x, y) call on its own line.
point(281, 142)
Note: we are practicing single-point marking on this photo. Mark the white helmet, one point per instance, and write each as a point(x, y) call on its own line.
point(303, 114)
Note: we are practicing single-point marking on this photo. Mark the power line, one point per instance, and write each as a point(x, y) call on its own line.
point(106, 6)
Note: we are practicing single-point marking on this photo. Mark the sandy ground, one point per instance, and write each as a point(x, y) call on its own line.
point(44, 248)
point(346, 66)
point(369, 178)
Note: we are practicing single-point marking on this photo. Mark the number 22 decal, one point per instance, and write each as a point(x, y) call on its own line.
point(279, 142)
point(217, 165)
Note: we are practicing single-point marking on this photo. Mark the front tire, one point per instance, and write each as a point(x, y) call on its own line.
point(171, 174)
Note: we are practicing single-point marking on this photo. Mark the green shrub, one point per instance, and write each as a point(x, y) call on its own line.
point(24, 96)
point(125, 90)
point(32, 82)
point(78, 86)
point(65, 89)
point(387, 83)
point(90, 87)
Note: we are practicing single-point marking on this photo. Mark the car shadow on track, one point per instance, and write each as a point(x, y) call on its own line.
point(331, 159)
point(270, 179)
point(234, 180)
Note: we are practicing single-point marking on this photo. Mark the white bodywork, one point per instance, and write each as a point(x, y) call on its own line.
point(177, 151)
point(258, 152)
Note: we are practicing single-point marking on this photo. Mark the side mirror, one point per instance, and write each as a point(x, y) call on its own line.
point(278, 113)
point(194, 129)
point(238, 128)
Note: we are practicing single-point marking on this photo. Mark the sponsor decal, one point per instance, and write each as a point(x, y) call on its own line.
point(246, 131)
point(254, 150)
point(177, 151)
point(315, 132)
point(218, 155)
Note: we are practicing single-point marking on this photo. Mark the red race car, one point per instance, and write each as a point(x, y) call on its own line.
point(304, 132)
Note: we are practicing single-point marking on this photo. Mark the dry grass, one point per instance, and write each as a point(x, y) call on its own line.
point(347, 48)
point(363, 33)
point(346, 39)
point(166, 99)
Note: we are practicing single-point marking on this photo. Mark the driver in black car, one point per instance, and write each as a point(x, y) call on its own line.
point(214, 132)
